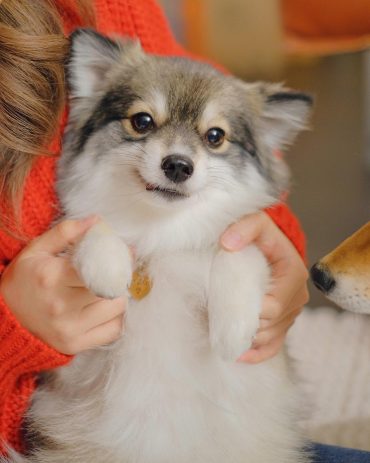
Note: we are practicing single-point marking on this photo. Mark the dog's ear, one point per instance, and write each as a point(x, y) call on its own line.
point(284, 114)
point(91, 56)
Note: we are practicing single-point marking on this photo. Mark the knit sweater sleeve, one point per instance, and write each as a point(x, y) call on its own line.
point(289, 225)
point(22, 356)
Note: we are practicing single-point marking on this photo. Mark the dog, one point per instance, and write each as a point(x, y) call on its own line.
point(168, 152)
point(344, 274)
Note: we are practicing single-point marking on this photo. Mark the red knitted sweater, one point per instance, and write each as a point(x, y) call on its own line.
point(22, 355)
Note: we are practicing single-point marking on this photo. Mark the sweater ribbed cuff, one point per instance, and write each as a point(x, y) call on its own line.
point(289, 225)
point(21, 352)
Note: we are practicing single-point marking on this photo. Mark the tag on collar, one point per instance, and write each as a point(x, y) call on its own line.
point(140, 284)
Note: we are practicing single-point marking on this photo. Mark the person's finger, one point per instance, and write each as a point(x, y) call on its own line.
point(78, 298)
point(239, 234)
point(287, 281)
point(54, 273)
point(268, 334)
point(263, 353)
point(302, 297)
point(274, 311)
point(64, 273)
point(102, 334)
point(278, 301)
point(271, 308)
point(60, 237)
point(101, 312)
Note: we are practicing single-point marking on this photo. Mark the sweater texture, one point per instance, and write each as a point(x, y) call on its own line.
point(23, 356)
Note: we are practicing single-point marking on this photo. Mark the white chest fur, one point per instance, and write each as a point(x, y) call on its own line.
point(163, 394)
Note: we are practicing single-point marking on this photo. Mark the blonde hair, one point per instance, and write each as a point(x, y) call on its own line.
point(33, 49)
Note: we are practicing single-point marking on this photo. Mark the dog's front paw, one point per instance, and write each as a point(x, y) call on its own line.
point(104, 263)
point(233, 328)
point(238, 282)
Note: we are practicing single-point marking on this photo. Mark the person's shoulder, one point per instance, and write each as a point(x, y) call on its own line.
point(142, 19)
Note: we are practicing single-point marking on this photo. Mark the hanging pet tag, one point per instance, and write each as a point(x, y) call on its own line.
point(140, 284)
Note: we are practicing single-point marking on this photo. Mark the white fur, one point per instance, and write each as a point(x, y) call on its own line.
point(238, 285)
point(92, 258)
point(164, 393)
point(350, 293)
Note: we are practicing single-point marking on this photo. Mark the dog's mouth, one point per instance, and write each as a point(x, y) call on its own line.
point(171, 194)
point(168, 193)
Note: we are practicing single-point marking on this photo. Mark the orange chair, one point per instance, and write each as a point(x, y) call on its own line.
point(326, 26)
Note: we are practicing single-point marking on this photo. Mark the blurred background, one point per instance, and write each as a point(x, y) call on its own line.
point(310, 47)
point(319, 46)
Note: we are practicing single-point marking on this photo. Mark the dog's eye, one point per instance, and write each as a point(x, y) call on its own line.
point(142, 122)
point(215, 137)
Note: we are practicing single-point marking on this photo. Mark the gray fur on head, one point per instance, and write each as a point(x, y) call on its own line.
point(112, 80)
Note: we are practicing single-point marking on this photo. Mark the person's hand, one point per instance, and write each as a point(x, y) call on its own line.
point(46, 295)
point(289, 291)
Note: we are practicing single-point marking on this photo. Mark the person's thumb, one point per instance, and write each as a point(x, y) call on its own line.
point(238, 235)
point(62, 235)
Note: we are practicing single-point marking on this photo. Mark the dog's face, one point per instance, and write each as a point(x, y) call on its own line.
point(168, 134)
point(344, 274)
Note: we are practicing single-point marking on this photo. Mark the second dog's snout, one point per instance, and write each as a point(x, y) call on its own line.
point(322, 278)
point(177, 168)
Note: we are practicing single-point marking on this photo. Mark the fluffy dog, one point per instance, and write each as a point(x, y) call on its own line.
point(344, 274)
point(168, 152)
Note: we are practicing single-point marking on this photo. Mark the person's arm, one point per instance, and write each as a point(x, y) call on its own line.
point(21, 356)
point(46, 316)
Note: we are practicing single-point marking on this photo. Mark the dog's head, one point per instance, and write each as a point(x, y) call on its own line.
point(344, 274)
point(162, 135)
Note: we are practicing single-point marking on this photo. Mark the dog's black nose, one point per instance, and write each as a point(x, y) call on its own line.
point(322, 278)
point(177, 168)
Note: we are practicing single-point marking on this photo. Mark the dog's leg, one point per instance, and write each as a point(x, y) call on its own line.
point(238, 282)
point(104, 262)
